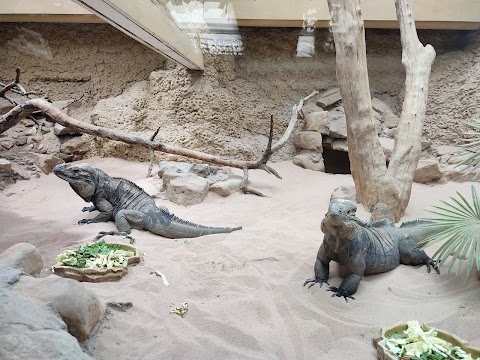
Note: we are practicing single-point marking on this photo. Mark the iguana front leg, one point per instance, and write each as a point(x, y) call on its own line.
point(89, 208)
point(349, 286)
point(321, 274)
point(106, 212)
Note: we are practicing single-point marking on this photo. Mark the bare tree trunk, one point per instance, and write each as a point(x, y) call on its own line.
point(385, 192)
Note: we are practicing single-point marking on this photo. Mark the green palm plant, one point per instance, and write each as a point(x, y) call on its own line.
point(459, 219)
point(471, 151)
point(460, 234)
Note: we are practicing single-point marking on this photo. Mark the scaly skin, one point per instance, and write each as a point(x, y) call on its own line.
point(366, 247)
point(128, 205)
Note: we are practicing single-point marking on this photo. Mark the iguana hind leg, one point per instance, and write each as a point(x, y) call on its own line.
point(411, 254)
point(348, 287)
point(126, 220)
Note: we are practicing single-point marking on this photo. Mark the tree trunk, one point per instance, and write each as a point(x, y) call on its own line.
point(384, 192)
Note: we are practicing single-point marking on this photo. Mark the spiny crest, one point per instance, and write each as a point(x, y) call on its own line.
point(415, 223)
point(173, 217)
point(374, 223)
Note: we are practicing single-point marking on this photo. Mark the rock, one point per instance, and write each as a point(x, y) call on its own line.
point(447, 150)
point(391, 121)
point(337, 125)
point(28, 148)
point(21, 140)
point(317, 121)
point(173, 166)
point(201, 170)
point(153, 186)
point(452, 173)
point(310, 160)
point(344, 192)
point(340, 145)
point(387, 146)
point(219, 174)
point(37, 138)
point(227, 187)
point(7, 144)
point(23, 256)
point(27, 122)
point(61, 130)
point(20, 173)
point(42, 148)
point(75, 146)
point(380, 107)
point(77, 305)
point(32, 131)
point(48, 124)
point(5, 166)
point(34, 331)
point(427, 171)
point(309, 140)
point(187, 189)
point(46, 163)
point(45, 130)
point(426, 144)
point(5, 106)
point(329, 98)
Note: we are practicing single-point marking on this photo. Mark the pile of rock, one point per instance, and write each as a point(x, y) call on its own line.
point(40, 144)
point(189, 184)
point(325, 128)
point(42, 318)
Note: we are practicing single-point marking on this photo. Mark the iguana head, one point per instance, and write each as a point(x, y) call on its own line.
point(340, 223)
point(83, 178)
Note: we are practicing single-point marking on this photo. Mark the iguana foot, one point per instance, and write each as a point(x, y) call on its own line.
point(312, 282)
point(339, 292)
point(89, 208)
point(432, 263)
point(86, 221)
point(113, 233)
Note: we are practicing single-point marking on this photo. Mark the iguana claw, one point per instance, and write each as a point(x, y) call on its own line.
point(432, 263)
point(312, 282)
point(85, 221)
point(339, 292)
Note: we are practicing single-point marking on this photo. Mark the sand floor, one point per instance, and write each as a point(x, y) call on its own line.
point(244, 289)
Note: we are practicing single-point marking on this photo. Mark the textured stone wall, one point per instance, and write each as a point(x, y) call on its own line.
point(226, 110)
point(67, 61)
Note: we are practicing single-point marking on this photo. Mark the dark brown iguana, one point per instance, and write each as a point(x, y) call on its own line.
point(366, 247)
point(127, 204)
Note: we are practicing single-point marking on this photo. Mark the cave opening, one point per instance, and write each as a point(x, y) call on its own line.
point(336, 162)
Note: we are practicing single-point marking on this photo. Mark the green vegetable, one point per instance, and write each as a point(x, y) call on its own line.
point(422, 343)
point(96, 255)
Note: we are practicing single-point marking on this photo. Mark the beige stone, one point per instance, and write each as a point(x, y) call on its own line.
point(78, 306)
point(345, 192)
point(391, 121)
point(187, 189)
point(329, 98)
point(23, 256)
point(311, 161)
point(317, 121)
point(227, 187)
point(46, 163)
point(427, 171)
point(340, 145)
point(387, 146)
point(153, 186)
point(380, 107)
point(309, 140)
point(75, 146)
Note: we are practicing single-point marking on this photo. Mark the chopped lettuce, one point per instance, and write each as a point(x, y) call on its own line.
point(96, 255)
point(421, 343)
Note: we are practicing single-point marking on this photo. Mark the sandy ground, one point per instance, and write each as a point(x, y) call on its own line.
point(244, 289)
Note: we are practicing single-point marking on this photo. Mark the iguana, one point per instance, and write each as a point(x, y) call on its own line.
point(366, 247)
point(127, 204)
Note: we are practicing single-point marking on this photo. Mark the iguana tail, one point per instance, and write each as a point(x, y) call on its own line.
point(419, 230)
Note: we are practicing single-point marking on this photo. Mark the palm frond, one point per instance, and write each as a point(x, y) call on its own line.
point(471, 152)
point(459, 221)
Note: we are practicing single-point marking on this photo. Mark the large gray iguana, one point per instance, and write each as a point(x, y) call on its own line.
point(366, 247)
point(127, 204)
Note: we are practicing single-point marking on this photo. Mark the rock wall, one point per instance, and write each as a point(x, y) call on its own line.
point(67, 61)
point(226, 110)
